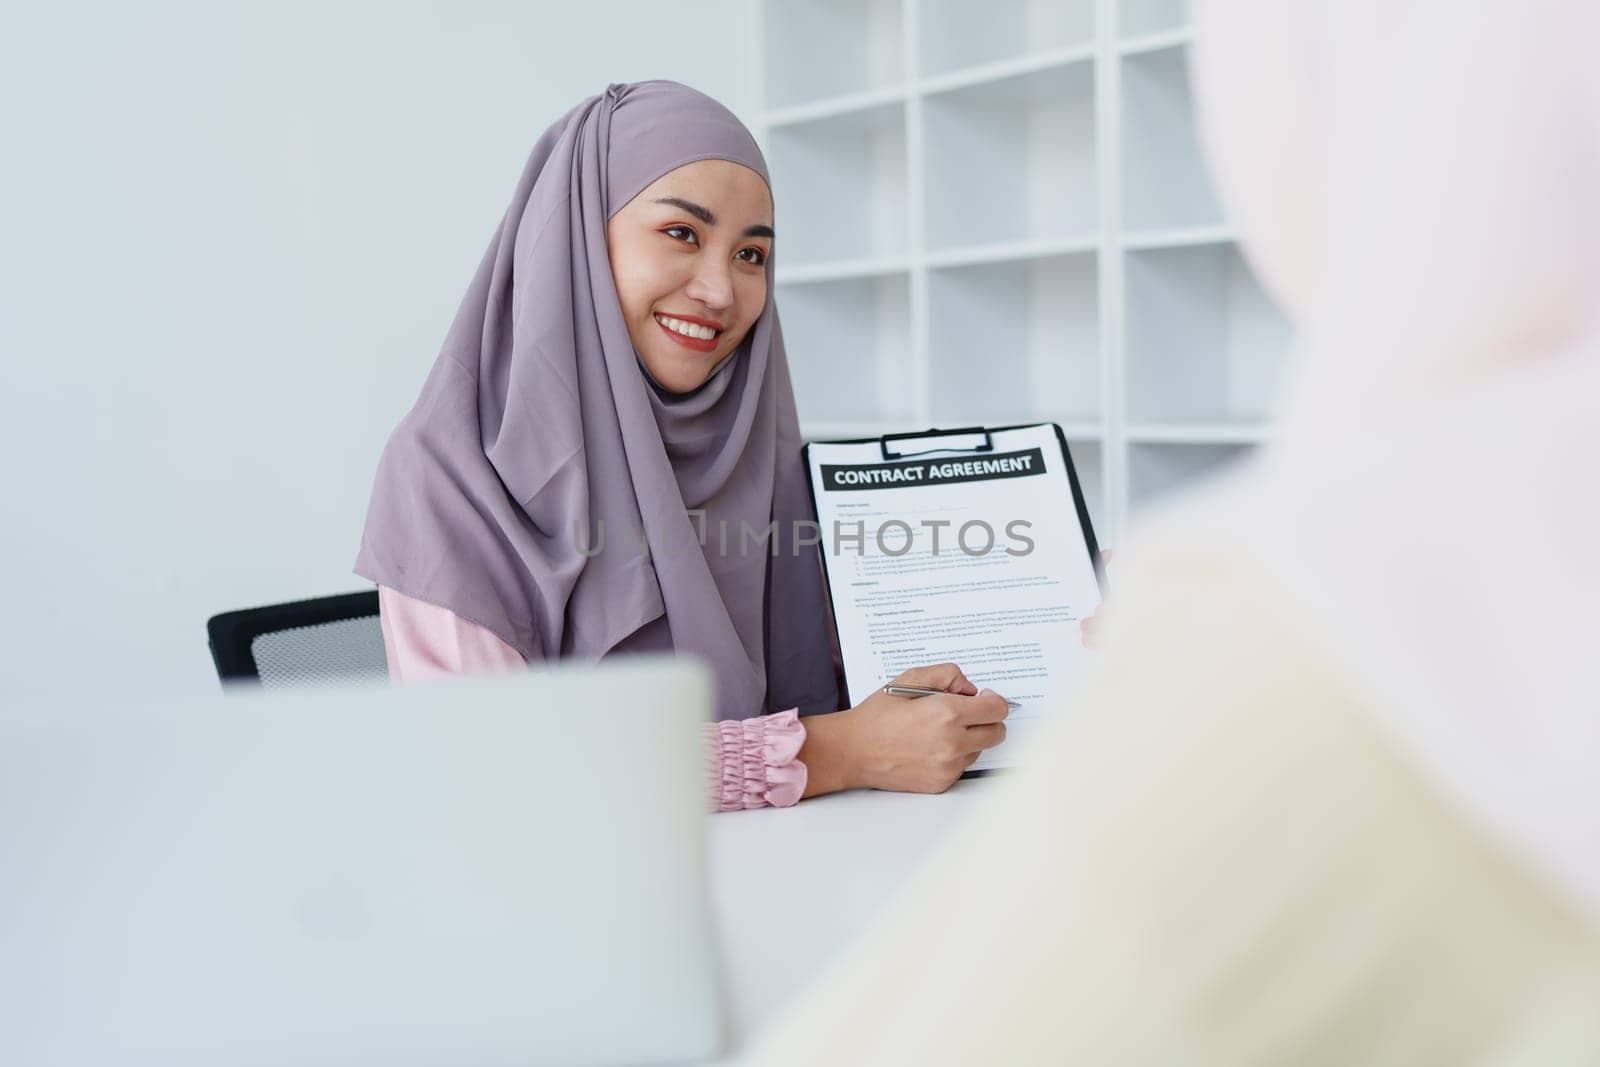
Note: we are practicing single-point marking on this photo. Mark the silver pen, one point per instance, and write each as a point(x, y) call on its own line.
point(919, 691)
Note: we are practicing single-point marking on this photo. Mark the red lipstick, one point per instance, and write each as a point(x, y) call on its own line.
point(696, 344)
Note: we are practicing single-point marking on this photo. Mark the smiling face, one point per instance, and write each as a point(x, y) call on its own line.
point(689, 258)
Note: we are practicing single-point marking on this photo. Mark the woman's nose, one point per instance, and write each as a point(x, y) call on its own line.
point(712, 285)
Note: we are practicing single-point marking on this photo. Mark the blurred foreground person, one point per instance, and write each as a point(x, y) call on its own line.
point(1354, 816)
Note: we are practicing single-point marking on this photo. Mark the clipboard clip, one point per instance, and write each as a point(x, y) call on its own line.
point(970, 439)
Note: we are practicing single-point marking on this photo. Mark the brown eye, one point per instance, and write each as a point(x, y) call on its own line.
point(682, 233)
point(760, 257)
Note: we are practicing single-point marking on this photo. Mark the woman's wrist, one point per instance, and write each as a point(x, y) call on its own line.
point(828, 753)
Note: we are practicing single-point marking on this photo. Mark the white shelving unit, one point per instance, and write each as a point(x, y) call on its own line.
point(997, 213)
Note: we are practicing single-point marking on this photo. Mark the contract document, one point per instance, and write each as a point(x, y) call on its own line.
point(972, 547)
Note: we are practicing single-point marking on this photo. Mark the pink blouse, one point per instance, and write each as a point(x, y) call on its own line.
point(750, 763)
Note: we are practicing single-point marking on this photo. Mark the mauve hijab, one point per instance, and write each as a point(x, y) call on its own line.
point(515, 491)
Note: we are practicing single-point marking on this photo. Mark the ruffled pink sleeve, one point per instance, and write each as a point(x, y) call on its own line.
point(750, 763)
point(753, 763)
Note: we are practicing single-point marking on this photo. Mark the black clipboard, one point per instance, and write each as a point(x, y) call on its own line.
point(900, 446)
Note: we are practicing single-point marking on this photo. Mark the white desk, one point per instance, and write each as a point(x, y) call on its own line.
point(793, 887)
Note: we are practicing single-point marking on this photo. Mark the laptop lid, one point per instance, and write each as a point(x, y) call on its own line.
point(488, 870)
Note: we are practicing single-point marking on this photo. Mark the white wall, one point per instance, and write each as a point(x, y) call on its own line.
point(231, 239)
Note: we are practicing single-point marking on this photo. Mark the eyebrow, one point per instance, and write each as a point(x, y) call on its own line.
point(705, 216)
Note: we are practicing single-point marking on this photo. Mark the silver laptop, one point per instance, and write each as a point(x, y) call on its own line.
point(489, 871)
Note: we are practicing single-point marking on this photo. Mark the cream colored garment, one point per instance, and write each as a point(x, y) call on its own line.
point(1418, 181)
point(1333, 798)
point(1216, 862)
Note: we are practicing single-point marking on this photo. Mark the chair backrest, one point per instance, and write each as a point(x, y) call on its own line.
point(325, 639)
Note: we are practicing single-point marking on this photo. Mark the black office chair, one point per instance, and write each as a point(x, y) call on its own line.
point(332, 638)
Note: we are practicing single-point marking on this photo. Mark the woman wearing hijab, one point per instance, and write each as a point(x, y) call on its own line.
point(605, 459)
point(1354, 818)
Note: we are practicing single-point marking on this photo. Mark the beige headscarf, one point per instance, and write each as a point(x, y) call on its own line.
point(1418, 183)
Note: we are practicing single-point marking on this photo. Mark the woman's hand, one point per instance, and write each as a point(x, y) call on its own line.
point(907, 744)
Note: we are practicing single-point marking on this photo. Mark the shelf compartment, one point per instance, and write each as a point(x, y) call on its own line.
point(959, 33)
point(839, 270)
point(971, 77)
point(843, 180)
point(1028, 331)
point(1165, 183)
point(1196, 433)
point(1177, 238)
point(1012, 159)
point(835, 106)
point(858, 41)
point(974, 255)
point(848, 429)
point(849, 349)
point(1205, 344)
point(1141, 18)
point(1156, 42)
point(1157, 471)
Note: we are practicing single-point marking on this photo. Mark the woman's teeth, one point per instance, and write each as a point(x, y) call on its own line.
point(688, 329)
